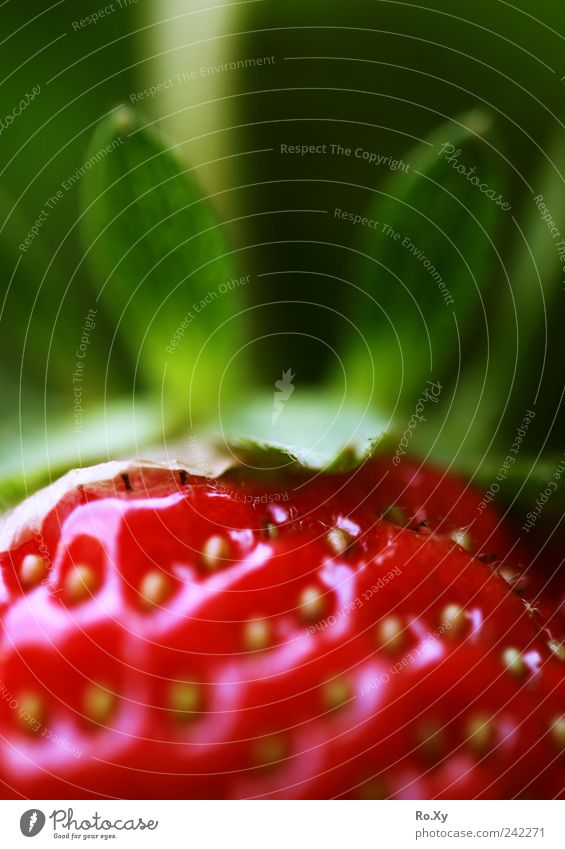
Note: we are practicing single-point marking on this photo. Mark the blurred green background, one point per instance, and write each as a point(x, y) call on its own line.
point(374, 75)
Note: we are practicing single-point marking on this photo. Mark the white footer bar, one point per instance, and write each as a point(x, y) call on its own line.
point(284, 825)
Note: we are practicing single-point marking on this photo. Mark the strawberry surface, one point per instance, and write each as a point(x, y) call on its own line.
point(361, 635)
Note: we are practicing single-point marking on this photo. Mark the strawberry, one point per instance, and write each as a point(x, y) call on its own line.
point(360, 635)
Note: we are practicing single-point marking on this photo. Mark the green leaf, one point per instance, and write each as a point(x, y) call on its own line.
point(317, 432)
point(165, 272)
point(503, 378)
point(41, 451)
point(427, 262)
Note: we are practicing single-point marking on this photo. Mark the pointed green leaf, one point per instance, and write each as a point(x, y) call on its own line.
point(164, 269)
point(428, 258)
point(521, 367)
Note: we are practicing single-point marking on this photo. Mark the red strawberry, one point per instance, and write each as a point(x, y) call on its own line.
point(164, 635)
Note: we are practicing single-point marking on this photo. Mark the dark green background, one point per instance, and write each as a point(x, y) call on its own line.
point(395, 71)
